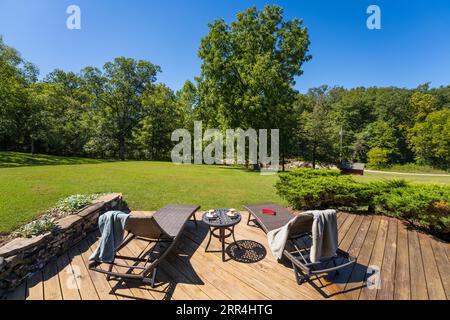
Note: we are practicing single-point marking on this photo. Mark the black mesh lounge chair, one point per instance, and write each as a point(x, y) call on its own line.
point(163, 229)
point(299, 242)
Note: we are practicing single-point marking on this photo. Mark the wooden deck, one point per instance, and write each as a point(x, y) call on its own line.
point(413, 266)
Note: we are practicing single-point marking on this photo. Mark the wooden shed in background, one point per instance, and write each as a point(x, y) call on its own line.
point(352, 168)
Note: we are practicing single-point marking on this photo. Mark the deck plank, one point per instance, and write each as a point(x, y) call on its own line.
point(386, 291)
point(443, 264)
point(376, 260)
point(346, 241)
point(433, 279)
point(35, 287)
point(68, 280)
point(358, 276)
point(419, 289)
point(341, 219)
point(180, 261)
point(402, 290)
point(354, 250)
point(85, 285)
point(52, 288)
point(345, 227)
point(358, 242)
point(102, 286)
point(118, 288)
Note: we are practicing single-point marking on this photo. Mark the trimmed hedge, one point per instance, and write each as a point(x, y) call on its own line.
point(425, 205)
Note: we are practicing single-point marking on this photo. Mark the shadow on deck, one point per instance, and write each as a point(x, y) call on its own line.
point(404, 264)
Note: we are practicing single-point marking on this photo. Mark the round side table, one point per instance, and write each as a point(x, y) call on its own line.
point(221, 227)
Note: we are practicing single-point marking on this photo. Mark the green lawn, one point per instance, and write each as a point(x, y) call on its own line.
point(411, 168)
point(31, 184)
point(372, 176)
point(16, 159)
point(26, 191)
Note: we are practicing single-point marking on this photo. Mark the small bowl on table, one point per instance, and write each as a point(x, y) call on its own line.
point(232, 213)
point(211, 215)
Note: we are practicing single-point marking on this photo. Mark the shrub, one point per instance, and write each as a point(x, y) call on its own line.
point(35, 228)
point(426, 205)
point(378, 157)
point(315, 189)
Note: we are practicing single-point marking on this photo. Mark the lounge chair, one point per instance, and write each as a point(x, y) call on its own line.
point(298, 245)
point(163, 227)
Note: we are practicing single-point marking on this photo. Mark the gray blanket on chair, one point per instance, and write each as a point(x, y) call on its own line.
point(112, 226)
point(324, 236)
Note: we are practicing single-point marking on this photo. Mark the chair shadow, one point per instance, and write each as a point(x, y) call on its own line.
point(175, 269)
point(353, 276)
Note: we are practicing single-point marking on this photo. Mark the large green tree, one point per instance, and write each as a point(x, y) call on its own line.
point(118, 90)
point(16, 77)
point(248, 71)
point(316, 133)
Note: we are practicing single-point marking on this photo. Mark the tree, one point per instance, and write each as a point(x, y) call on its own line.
point(249, 69)
point(430, 139)
point(163, 116)
point(316, 133)
point(378, 135)
point(16, 76)
point(378, 157)
point(188, 104)
point(422, 104)
point(118, 90)
point(352, 112)
point(60, 112)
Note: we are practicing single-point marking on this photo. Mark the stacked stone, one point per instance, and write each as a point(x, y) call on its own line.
point(22, 257)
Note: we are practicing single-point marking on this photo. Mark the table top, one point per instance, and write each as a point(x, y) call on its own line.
point(222, 220)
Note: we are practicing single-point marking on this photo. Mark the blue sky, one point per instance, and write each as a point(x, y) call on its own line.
point(413, 46)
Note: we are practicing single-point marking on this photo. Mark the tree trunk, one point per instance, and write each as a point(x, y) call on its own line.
point(122, 148)
point(33, 147)
point(314, 156)
point(283, 162)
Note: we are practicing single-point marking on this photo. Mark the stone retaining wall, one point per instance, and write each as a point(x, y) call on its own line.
point(22, 257)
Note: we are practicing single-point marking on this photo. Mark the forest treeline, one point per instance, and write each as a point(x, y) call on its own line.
point(247, 80)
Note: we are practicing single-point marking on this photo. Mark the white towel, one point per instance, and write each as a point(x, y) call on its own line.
point(324, 235)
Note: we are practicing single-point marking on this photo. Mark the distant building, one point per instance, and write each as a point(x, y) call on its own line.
point(352, 168)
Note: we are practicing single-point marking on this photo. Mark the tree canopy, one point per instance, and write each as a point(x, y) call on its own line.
point(247, 80)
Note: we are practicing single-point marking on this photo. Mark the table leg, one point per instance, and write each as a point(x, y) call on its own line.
point(222, 238)
point(237, 244)
point(210, 237)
